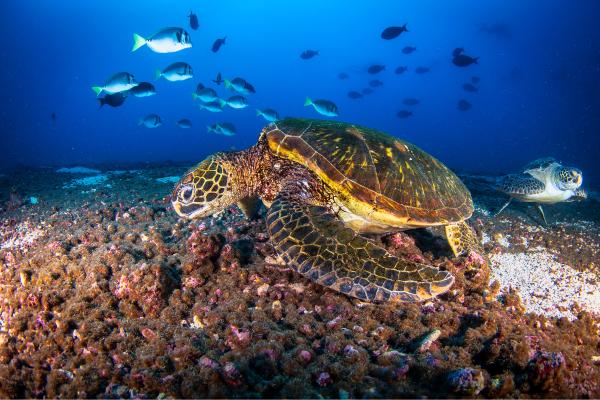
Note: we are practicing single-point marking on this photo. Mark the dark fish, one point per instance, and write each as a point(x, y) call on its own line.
point(410, 101)
point(184, 123)
point(323, 107)
point(218, 43)
point(354, 95)
point(460, 59)
point(218, 80)
point(469, 87)
point(375, 69)
point(375, 83)
point(366, 91)
point(393, 32)
point(463, 105)
point(422, 70)
point(404, 114)
point(113, 100)
point(249, 88)
point(193, 21)
point(408, 49)
point(308, 54)
point(53, 117)
point(144, 89)
point(475, 80)
point(401, 69)
point(343, 75)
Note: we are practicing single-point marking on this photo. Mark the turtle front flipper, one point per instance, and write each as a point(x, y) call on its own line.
point(314, 242)
point(462, 239)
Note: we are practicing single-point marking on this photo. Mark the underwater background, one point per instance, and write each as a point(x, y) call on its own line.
point(538, 94)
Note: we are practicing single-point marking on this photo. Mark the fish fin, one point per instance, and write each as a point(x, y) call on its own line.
point(194, 96)
point(138, 42)
point(140, 122)
point(157, 74)
point(222, 102)
point(227, 83)
point(307, 102)
point(405, 28)
point(97, 90)
point(475, 60)
point(258, 112)
point(102, 102)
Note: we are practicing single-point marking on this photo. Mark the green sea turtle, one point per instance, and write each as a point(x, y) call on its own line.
point(543, 181)
point(324, 183)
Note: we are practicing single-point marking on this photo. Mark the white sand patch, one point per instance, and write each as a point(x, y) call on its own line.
point(87, 181)
point(78, 170)
point(169, 179)
point(546, 286)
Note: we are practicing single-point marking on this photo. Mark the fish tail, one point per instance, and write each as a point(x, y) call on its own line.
point(157, 74)
point(97, 90)
point(227, 83)
point(258, 112)
point(222, 102)
point(475, 60)
point(405, 28)
point(102, 102)
point(138, 42)
point(194, 96)
point(307, 102)
point(140, 121)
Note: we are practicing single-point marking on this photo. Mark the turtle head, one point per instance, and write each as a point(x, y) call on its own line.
point(568, 178)
point(205, 190)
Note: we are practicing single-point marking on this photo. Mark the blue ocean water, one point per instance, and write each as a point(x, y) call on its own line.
point(538, 95)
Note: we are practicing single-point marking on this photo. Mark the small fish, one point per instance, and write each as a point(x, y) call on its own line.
point(239, 85)
point(184, 123)
point(222, 128)
point(323, 107)
point(422, 70)
point(354, 95)
point(393, 32)
point(367, 91)
point(308, 54)
point(218, 80)
point(213, 106)
point(113, 100)
point(409, 50)
point(150, 121)
point(237, 102)
point(410, 101)
point(143, 89)
point(462, 60)
point(178, 71)
point(53, 118)
point(404, 114)
point(168, 40)
point(463, 105)
point(375, 83)
point(375, 69)
point(469, 87)
point(193, 21)
point(204, 94)
point(217, 44)
point(268, 114)
point(401, 69)
point(343, 75)
point(475, 80)
point(119, 82)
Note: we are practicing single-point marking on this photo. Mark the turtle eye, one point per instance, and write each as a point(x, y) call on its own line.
point(186, 193)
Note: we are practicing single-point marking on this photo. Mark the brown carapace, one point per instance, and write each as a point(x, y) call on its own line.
point(324, 184)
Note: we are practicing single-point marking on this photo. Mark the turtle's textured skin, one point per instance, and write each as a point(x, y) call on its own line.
point(326, 182)
point(543, 181)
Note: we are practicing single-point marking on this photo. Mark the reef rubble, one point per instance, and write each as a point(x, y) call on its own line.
point(105, 292)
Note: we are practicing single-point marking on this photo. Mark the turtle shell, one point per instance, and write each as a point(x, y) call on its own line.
point(373, 174)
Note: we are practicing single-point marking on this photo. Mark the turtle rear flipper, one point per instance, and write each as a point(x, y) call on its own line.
point(314, 242)
point(462, 239)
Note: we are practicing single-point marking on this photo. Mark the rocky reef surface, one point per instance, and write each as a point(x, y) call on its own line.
point(104, 292)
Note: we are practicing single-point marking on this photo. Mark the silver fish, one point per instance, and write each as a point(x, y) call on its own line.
point(119, 82)
point(178, 71)
point(269, 114)
point(237, 102)
point(168, 40)
point(323, 107)
point(150, 121)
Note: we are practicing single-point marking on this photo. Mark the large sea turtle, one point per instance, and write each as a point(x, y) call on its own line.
point(543, 181)
point(326, 182)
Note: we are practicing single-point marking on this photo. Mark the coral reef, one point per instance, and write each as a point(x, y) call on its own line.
point(107, 293)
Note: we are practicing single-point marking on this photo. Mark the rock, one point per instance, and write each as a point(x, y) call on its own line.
point(466, 381)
